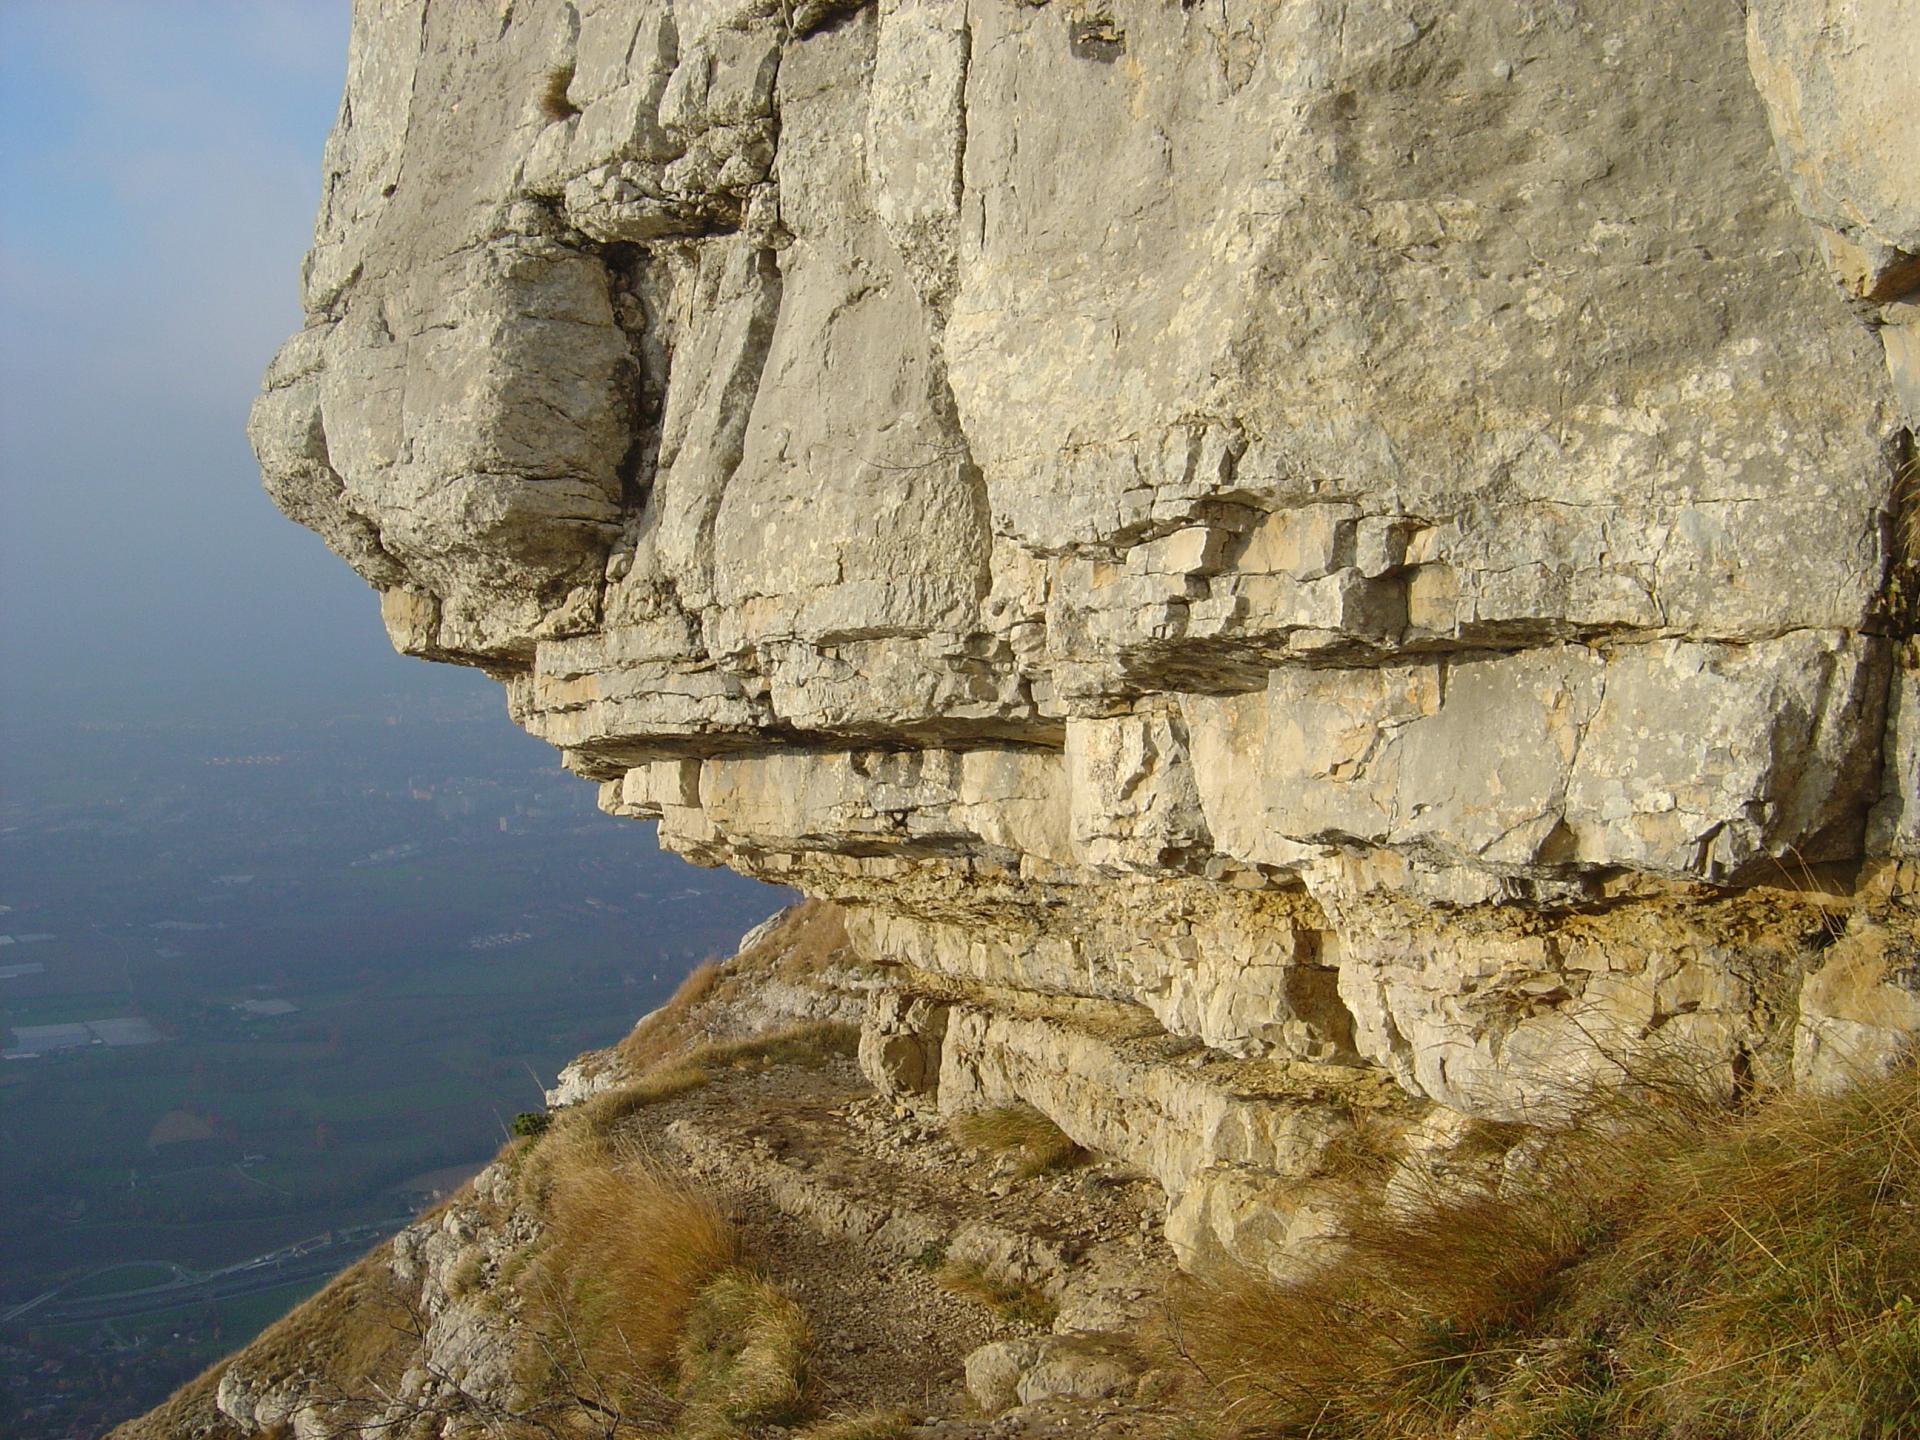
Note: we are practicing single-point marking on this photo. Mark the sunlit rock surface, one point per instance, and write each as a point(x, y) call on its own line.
point(1358, 539)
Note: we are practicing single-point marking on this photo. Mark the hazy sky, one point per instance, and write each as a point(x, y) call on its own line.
point(159, 172)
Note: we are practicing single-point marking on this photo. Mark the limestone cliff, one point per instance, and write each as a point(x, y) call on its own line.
point(1252, 548)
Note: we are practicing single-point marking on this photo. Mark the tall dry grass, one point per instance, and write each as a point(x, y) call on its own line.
point(625, 1251)
point(638, 1302)
point(1667, 1268)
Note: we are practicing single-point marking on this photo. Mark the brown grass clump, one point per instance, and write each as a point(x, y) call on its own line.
point(579, 1136)
point(1663, 1269)
point(811, 1044)
point(1019, 1130)
point(554, 101)
point(810, 939)
point(807, 939)
point(638, 1309)
point(625, 1251)
point(1008, 1298)
point(469, 1275)
point(607, 1109)
point(1906, 506)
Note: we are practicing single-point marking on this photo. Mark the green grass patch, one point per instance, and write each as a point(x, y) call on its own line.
point(741, 1360)
point(133, 1275)
point(245, 1316)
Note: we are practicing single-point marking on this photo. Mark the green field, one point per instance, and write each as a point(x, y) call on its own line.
point(115, 1279)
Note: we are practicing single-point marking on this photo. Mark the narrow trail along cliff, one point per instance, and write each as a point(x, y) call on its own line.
point(1295, 581)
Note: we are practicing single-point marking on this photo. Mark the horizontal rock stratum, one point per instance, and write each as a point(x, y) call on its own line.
point(1361, 539)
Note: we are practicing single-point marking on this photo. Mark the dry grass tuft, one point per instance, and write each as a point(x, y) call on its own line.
point(554, 101)
point(607, 1109)
point(1008, 1298)
point(1019, 1130)
point(741, 1359)
point(624, 1252)
point(1664, 1268)
point(814, 1043)
point(469, 1275)
point(1906, 507)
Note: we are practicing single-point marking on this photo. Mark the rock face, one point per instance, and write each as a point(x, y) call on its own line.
point(1358, 537)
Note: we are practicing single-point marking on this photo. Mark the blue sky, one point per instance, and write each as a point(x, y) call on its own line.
point(159, 171)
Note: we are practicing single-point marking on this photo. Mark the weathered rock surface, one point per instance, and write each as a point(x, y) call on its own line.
point(1359, 540)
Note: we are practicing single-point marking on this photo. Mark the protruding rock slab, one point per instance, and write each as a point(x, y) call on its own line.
point(1363, 537)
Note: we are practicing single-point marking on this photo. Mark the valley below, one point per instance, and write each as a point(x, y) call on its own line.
point(269, 989)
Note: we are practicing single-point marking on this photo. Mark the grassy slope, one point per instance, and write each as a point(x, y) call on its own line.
point(1660, 1271)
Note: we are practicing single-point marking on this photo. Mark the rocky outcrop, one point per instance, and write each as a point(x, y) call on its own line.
point(1358, 539)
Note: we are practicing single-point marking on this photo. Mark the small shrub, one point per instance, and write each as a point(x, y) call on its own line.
point(1008, 1298)
point(530, 1123)
point(554, 101)
point(1019, 1130)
